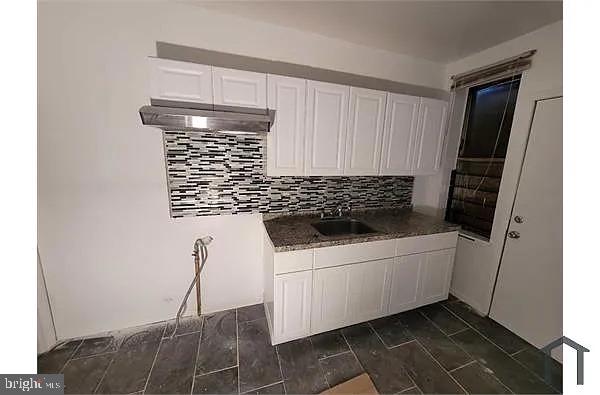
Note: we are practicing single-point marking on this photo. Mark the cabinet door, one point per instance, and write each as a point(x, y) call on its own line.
point(400, 130)
point(331, 298)
point(285, 142)
point(182, 81)
point(365, 131)
point(369, 289)
point(430, 136)
point(405, 284)
point(326, 123)
point(436, 272)
point(239, 88)
point(292, 304)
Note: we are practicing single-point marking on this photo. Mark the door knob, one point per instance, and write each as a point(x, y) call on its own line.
point(518, 219)
point(513, 234)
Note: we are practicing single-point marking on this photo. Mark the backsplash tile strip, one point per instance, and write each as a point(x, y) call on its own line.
point(211, 174)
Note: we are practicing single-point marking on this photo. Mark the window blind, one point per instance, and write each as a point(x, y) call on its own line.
point(502, 69)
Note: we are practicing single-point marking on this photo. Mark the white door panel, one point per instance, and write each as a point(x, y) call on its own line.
point(528, 293)
point(365, 131)
point(239, 88)
point(285, 142)
point(405, 290)
point(430, 136)
point(292, 305)
point(181, 81)
point(401, 117)
point(326, 124)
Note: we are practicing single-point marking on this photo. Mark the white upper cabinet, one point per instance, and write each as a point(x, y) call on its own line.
point(430, 136)
point(285, 142)
point(181, 81)
point(326, 124)
point(365, 131)
point(401, 120)
point(239, 88)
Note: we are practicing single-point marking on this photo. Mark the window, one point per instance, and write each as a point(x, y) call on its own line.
point(476, 180)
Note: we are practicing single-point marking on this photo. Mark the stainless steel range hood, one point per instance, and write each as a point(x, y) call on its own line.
point(173, 115)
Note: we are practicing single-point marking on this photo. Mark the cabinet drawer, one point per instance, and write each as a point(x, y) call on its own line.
point(418, 244)
point(353, 253)
point(293, 261)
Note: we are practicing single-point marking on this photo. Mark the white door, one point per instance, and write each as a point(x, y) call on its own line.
point(182, 81)
point(369, 289)
point(331, 298)
point(326, 123)
point(285, 142)
point(405, 280)
point(400, 130)
point(239, 88)
point(365, 131)
point(292, 304)
point(528, 294)
point(436, 272)
point(430, 136)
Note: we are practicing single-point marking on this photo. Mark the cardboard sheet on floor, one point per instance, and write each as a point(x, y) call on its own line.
point(359, 385)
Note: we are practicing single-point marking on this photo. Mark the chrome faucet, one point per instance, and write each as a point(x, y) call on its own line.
point(339, 211)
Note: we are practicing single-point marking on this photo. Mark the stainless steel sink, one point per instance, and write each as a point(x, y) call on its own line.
point(342, 226)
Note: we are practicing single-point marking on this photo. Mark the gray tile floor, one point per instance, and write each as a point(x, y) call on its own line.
point(442, 348)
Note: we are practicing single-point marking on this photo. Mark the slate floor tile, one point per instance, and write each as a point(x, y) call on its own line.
point(130, 368)
point(269, 389)
point(533, 359)
point(424, 371)
point(505, 368)
point(186, 325)
point(83, 375)
point(97, 345)
point(444, 350)
point(384, 368)
point(258, 365)
point(173, 369)
point(251, 313)
point(218, 345)
point(52, 362)
point(477, 379)
point(329, 343)
point(221, 382)
point(340, 368)
point(300, 367)
point(443, 319)
point(391, 330)
point(498, 334)
point(150, 334)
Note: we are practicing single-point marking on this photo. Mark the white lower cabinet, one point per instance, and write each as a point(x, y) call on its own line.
point(436, 273)
point(346, 295)
point(303, 302)
point(404, 289)
point(292, 306)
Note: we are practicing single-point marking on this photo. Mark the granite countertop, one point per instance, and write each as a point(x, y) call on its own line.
point(294, 232)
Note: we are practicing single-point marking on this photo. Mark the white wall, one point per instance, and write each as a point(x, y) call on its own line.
point(477, 261)
point(112, 256)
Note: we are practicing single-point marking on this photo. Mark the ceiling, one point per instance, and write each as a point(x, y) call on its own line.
point(440, 31)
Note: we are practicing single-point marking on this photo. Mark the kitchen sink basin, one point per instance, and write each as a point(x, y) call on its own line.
point(343, 226)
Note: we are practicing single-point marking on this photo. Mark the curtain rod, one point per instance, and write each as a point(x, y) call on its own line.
point(524, 55)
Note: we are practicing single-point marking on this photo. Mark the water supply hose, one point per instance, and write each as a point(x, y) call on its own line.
point(200, 256)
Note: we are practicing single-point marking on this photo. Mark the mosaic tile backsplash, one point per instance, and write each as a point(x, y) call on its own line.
point(211, 174)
